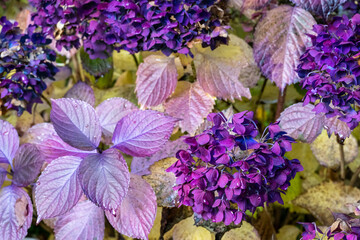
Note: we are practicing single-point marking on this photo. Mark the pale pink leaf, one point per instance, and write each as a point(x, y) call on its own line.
point(340, 128)
point(320, 7)
point(50, 144)
point(58, 188)
point(280, 39)
point(142, 133)
point(9, 142)
point(83, 92)
point(191, 104)
point(85, 221)
point(15, 213)
point(156, 80)
point(301, 122)
point(111, 111)
point(136, 215)
point(76, 122)
point(105, 178)
point(244, 5)
point(27, 164)
point(140, 165)
point(218, 71)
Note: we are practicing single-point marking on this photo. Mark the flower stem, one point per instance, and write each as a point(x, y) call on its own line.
point(355, 177)
point(342, 157)
point(261, 92)
point(46, 100)
point(135, 60)
point(280, 103)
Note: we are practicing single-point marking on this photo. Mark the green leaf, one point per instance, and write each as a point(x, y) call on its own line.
point(96, 67)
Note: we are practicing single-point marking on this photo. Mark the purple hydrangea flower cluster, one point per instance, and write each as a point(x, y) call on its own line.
point(24, 64)
point(330, 69)
point(228, 170)
point(132, 25)
point(344, 228)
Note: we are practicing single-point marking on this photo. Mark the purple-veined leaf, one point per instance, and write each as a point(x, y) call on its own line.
point(3, 173)
point(320, 7)
point(9, 142)
point(156, 80)
point(111, 111)
point(50, 144)
point(301, 122)
point(82, 222)
point(58, 188)
point(15, 213)
point(218, 71)
point(191, 104)
point(142, 133)
point(280, 39)
point(244, 5)
point(136, 215)
point(340, 128)
point(27, 164)
point(83, 92)
point(76, 122)
point(140, 165)
point(105, 178)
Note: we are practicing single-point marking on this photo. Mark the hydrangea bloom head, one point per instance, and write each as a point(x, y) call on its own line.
point(330, 69)
point(132, 25)
point(228, 169)
point(24, 64)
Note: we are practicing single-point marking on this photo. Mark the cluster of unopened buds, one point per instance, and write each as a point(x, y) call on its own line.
point(228, 169)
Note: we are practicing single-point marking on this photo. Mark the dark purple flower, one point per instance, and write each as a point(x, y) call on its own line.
point(330, 69)
point(132, 25)
point(228, 169)
point(24, 63)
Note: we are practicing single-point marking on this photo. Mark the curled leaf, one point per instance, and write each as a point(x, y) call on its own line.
point(245, 232)
point(340, 128)
point(320, 7)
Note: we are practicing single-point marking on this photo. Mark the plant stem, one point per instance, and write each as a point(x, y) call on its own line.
point(342, 157)
point(46, 100)
point(79, 66)
point(261, 92)
point(135, 60)
point(355, 177)
point(193, 68)
point(280, 103)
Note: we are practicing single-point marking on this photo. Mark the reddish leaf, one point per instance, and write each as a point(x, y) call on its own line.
point(156, 80)
point(320, 7)
point(190, 104)
point(58, 188)
point(83, 92)
point(111, 111)
point(280, 39)
point(340, 128)
point(244, 5)
point(140, 165)
point(218, 71)
point(136, 215)
point(142, 133)
point(27, 164)
point(76, 122)
point(105, 178)
point(15, 213)
point(9, 142)
point(84, 221)
point(300, 122)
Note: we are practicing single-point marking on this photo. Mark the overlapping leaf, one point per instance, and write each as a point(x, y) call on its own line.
point(142, 133)
point(136, 215)
point(9, 142)
point(140, 165)
point(218, 71)
point(111, 111)
point(245, 232)
point(320, 7)
point(84, 221)
point(191, 104)
point(280, 39)
point(27, 164)
point(244, 5)
point(338, 127)
point(76, 122)
point(83, 92)
point(58, 188)
point(156, 80)
point(15, 213)
point(105, 178)
point(301, 122)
